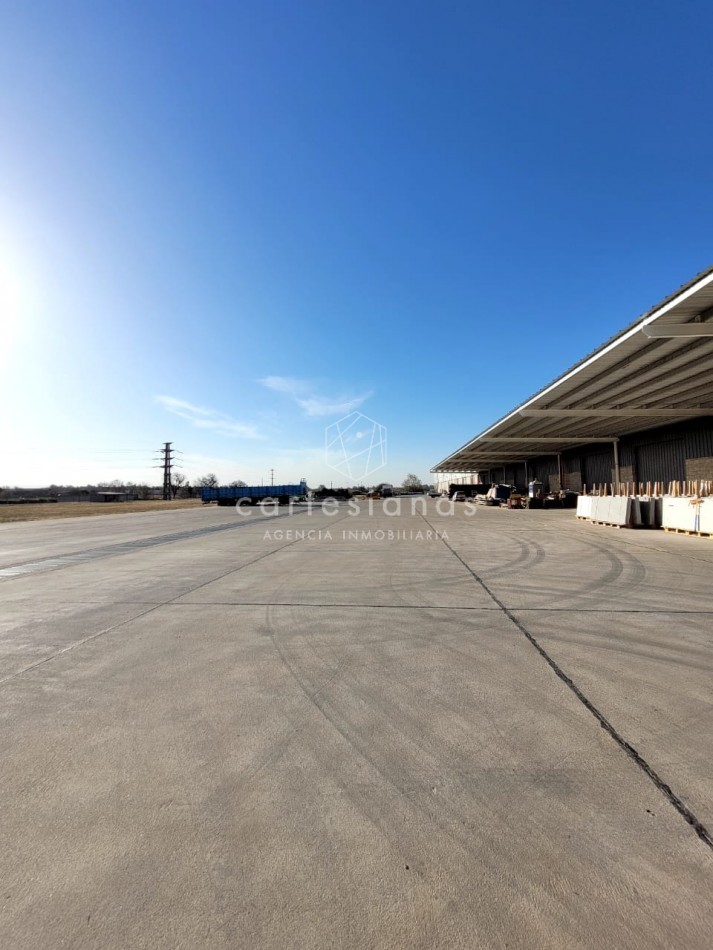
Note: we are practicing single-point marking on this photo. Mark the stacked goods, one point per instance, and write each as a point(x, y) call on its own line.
point(626, 505)
point(496, 495)
point(585, 506)
point(609, 509)
point(686, 506)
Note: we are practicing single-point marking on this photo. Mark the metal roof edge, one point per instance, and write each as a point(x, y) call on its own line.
point(701, 279)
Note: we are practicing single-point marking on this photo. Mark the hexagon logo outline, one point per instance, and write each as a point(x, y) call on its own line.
point(355, 446)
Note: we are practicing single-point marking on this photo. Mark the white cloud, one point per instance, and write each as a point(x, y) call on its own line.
point(211, 419)
point(301, 391)
point(317, 406)
point(285, 384)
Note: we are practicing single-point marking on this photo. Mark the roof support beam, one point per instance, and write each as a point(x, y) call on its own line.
point(614, 413)
point(552, 439)
point(660, 331)
point(639, 371)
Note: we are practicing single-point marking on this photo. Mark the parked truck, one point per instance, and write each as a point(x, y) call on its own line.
point(254, 494)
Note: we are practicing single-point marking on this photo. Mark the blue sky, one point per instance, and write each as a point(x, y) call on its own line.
point(230, 224)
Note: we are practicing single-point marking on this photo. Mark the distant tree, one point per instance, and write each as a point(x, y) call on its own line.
point(178, 480)
point(115, 485)
point(207, 481)
point(238, 483)
point(412, 483)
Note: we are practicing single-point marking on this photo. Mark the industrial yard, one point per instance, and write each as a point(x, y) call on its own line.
point(356, 483)
point(355, 730)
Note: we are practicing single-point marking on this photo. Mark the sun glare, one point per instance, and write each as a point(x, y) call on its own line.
point(18, 302)
point(9, 303)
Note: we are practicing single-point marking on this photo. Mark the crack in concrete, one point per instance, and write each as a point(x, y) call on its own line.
point(703, 833)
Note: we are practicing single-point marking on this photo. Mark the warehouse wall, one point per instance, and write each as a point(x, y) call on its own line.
point(669, 453)
point(597, 465)
point(572, 471)
point(699, 468)
point(444, 479)
point(515, 474)
point(545, 470)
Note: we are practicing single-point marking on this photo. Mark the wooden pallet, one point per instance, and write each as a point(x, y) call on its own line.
point(637, 527)
point(610, 524)
point(690, 534)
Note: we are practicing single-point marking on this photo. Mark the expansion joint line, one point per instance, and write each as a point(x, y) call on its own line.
point(149, 610)
point(703, 833)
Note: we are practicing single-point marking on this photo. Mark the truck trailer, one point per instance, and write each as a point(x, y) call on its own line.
point(254, 494)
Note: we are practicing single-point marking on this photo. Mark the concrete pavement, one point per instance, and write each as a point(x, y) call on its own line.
point(284, 735)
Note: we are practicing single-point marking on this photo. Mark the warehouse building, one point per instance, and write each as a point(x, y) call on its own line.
point(638, 409)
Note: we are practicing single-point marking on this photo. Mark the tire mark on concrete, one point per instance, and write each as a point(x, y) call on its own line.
point(365, 802)
point(394, 714)
point(700, 829)
point(143, 613)
point(531, 554)
point(638, 570)
point(428, 760)
point(623, 574)
point(59, 561)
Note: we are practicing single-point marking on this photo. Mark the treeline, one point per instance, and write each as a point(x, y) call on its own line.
point(181, 487)
point(53, 492)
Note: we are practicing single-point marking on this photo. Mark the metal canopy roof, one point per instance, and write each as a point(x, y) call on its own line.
point(657, 371)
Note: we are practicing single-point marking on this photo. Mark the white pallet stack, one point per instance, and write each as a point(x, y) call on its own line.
point(688, 514)
point(623, 511)
point(619, 510)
